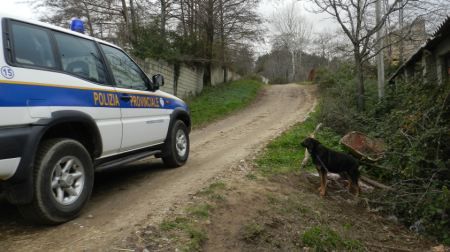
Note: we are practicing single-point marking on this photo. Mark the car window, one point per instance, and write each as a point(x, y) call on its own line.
point(126, 73)
point(80, 57)
point(32, 46)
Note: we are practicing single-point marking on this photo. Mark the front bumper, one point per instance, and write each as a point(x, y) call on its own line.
point(13, 142)
point(8, 167)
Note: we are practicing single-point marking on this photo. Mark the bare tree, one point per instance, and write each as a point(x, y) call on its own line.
point(193, 31)
point(432, 11)
point(112, 16)
point(402, 29)
point(326, 44)
point(223, 23)
point(293, 31)
point(357, 21)
point(238, 23)
point(166, 10)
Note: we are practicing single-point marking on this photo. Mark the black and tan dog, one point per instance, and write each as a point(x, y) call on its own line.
point(327, 160)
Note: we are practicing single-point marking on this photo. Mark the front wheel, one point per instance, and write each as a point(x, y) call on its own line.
point(176, 149)
point(63, 181)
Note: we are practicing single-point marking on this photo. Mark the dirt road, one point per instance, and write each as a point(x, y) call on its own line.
point(143, 192)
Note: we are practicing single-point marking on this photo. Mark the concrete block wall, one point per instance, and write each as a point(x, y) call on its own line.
point(152, 67)
point(232, 76)
point(190, 80)
point(217, 76)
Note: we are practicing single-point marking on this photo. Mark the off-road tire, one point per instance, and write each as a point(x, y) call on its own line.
point(44, 208)
point(170, 155)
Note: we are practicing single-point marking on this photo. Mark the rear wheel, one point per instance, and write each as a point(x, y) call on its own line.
point(63, 181)
point(176, 149)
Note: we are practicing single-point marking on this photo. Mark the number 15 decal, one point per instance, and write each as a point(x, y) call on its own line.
point(7, 72)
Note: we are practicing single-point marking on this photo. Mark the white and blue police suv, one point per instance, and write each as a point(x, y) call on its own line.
point(71, 104)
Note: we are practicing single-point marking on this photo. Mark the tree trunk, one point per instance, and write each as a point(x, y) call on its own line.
point(193, 19)
point(127, 20)
point(293, 65)
point(225, 74)
point(133, 22)
point(359, 80)
point(299, 63)
point(402, 44)
point(163, 18)
point(183, 20)
point(89, 21)
point(380, 56)
point(222, 42)
point(176, 76)
point(207, 75)
point(209, 28)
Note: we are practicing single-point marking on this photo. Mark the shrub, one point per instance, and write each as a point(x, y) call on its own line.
point(253, 77)
point(414, 121)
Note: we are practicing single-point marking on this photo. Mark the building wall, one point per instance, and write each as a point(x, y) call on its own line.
point(413, 36)
point(431, 63)
point(442, 61)
point(190, 79)
point(433, 66)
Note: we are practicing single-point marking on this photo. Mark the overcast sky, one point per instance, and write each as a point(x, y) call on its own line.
point(18, 8)
point(320, 22)
point(266, 9)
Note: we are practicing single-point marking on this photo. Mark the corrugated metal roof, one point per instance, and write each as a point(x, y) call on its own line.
point(443, 28)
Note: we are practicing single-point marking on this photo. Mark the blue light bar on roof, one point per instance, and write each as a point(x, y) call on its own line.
point(77, 25)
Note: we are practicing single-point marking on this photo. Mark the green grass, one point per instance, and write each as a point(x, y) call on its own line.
point(214, 191)
point(190, 225)
point(326, 239)
point(200, 211)
point(196, 235)
point(216, 102)
point(251, 176)
point(252, 232)
point(306, 83)
point(177, 223)
point(213, 188)
point(285, 154)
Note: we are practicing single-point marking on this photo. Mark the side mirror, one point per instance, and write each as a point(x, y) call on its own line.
point(158, 81)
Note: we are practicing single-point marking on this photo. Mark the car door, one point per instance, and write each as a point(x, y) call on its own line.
point(58, 72)
point(145, 122)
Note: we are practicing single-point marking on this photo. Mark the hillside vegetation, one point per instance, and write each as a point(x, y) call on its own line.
point(414, 121)
point(219, 101)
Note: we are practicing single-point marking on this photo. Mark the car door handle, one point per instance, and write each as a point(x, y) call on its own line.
point(125, 97)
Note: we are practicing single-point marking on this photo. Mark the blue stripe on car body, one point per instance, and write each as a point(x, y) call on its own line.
point(22, 95)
